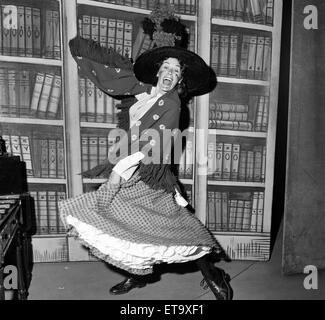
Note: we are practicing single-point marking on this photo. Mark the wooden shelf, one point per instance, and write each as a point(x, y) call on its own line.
point(40, 61)
point(98, 125)
point(32, 121)
point(185, 17)
point(46, 180)
point(250, 82)
point(236, 184)
point(186, 181)
point(235, 133)
point(238, 24)
point(241, 233)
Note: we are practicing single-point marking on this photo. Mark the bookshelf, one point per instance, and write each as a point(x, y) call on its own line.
point(32, 104)
point(233, 117)
point(239, 118)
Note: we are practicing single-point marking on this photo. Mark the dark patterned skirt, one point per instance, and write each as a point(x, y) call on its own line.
point(133, 226)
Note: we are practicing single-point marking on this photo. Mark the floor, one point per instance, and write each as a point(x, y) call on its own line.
point(250, 281)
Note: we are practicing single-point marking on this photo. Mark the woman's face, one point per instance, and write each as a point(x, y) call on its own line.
point(168, 75)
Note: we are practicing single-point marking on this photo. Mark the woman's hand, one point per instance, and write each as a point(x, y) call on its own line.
point(114, 178)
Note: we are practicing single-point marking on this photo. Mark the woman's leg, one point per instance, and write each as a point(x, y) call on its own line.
point(215, 278)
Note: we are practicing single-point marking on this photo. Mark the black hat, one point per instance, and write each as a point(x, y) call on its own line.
point(198, 76)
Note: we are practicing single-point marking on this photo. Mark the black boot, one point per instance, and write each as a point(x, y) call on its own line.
point(127, 285)
point(216, 279)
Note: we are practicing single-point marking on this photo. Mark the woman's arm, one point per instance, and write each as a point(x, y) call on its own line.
point(107, 69)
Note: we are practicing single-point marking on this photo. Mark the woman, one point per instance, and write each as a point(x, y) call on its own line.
point(138, 218)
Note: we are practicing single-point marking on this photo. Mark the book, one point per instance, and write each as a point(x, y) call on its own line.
point(259, 113)
point(82, 99)
point(55, 96)
point(239, 215)
point(235, 162)
point(224, 211)
point(49, 36)
point(60, 159)
point(239, 9)
point(4, 101)
point(100, 106)
point(56, 35)
point(13, 94)
point(52, 212)
point(215, 47)
point(24, 93)
point(93, 151)
point(224, 52)
point(38, 86)
point(90, 100)
point(5, 32)
point(36, 29)
point(84, 153)
point(263, 164)
point(259, 64)
point(28, 32)
point(94, 28)
point(226, 162)
point(103, 31)
point(119, 37)
point(242, 165)
point(52, 164)
point(26, 154)
point(251, 65)
point(13, 30)
point(43, 227)
point(232, 214)
point(265, 115)
point(250, 166)
point(60, 197)
point(257, 172)
point(246, 225)
point(267, 58)
point(219, 161)
point(269, 7)
point(253, 226)
point(211, 218)
point(218, 209)
point(102, 149)
point(260, 212)
point(211, 159)
point(244, 54)
point(189, 158)
point(233, 45)
point(127, 45)
point(111, 36)
point(45, 95)
point(109, 109)
point(86, 27)
point(44, 154)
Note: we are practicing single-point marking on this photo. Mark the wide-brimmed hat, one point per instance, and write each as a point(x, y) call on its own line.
point(198, 76)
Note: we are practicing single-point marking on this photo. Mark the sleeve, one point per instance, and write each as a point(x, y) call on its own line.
point(109, 71)
point(127, 166)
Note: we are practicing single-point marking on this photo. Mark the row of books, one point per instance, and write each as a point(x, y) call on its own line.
point(181, 6)
point(44, 157)
point(229, 116)
point(241, 55)
point(26, 94)
point(94, 150)
point(242, 212)
point(29, 32)
point(95, 105)
point(235, 162)
point(109, 32)
point(46, 211)
point(253, 11)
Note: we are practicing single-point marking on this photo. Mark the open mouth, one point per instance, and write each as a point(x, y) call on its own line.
point(167, 81)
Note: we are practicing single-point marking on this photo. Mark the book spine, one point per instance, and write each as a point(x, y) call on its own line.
point(84, 153)
point(45, 95)
point(5, 33)
point(86, 26)
point(189, 158)
point(119, 40)
point(247, 215)
point(225, 211)
point(181, 167)
point(49, 37)
point(242, 165)
point(37, 92)
point(226, 165)
point(60, 197)
point(100, 106)
point(219, 161)
point(111, 33)
point(235, 162)
point(90, 100)
point(233, 59)
point(265, 116)
point(103, 149)
point(211, 159)
point(4, 94)
point(244, 56)
point(259, 58)
point(52, 212)
point(109, 109)
point(94, 28)
point(263, 164)
point(36, 29)
point(251, 67)
point(24, 93)
point(239, 215)
point(93, 152)
point(224, 52)
point(44, 169)
point(259, 113)
point(28, 32)
point(127, 45)
point(53, 169)
point(267, 58)
point(239, 10)
point(257, 173)
point(232, 214)
point(250, 166)
point(218, 209)
point(253, 226)
point(60, 159)
point(15, 146)
point(43, 212)
point(260, 212)
point(56, 35)
point(55, 97)
point(13, 93)
point(103, 31)
point(211, 219)
point(215, 47)
point(26, 155)
point(82, 99)
point(14, 32)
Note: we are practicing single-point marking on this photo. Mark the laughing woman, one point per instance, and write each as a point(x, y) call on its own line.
point(138, 218)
